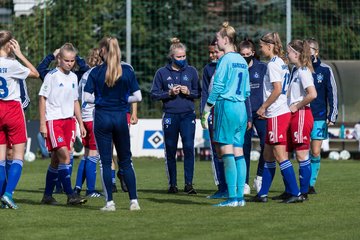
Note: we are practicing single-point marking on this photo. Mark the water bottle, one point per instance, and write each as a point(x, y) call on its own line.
point(342, 131)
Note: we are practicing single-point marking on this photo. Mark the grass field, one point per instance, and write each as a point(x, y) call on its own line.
point(331, 214)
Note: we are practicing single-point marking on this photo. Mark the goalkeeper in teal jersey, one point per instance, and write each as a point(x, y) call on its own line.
point(230, 90)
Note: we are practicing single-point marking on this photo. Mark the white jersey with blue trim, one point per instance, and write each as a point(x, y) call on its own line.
point(301, 79)
point(60, 90)
point(277, 71)
point(87, 109)
point(11, 72)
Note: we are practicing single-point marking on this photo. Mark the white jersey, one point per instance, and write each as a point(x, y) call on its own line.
point(301, 79)
point(60, 90)
point(87, 109)
point(11, 72)
point(277, 71)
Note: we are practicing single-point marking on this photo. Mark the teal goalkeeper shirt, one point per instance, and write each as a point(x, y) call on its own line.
point(231, 81)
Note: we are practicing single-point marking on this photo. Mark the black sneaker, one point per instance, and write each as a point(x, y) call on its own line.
point(282, 196)
point(173, 189)
point(304, 196)
point(257, 198)
point(293, 199)
point(189, 189)
point(114, 188)
point(49, 200)
point(77, 190)
point(312, 190)
point(122, 182)
point(75, 199)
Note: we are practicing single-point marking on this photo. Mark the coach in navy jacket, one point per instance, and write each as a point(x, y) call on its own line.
point(177, 86)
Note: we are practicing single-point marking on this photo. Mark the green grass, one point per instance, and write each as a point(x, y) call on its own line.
point(331, 214)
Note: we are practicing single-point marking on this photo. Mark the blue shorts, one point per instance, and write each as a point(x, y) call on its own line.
point(320, 130)
point(230, 122)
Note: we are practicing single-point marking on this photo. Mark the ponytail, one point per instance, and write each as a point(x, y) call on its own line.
point(113, 60)
point(274, 39)
point(228, 31)
point(303, 49)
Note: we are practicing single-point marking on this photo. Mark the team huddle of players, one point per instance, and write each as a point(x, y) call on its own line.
point(280, 95)
point(238, 93)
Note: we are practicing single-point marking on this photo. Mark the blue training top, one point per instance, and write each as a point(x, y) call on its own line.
point(112, 98)
point(257, 72)
point(165, 78)
point(326, 89)
point(208, 73)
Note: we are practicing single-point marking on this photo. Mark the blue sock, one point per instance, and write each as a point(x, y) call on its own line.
point(65, 178)
point(91, 172)
point(58, 185)
point(315, 167)
point(8, 165)
point(7, 168)
point(268, 176)
point(71, 163)
point(14, 176)
point(241, 169)
point(80, 173)
point(304, 175)
point(230, 174)
point(130, 181)
point(2, 176)
point(51, 180)
point(113, 176)
point(288, 174)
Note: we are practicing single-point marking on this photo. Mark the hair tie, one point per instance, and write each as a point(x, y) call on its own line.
point(267, 41)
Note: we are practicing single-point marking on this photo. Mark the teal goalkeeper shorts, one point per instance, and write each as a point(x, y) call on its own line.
point(230, 122)
point(320, 130)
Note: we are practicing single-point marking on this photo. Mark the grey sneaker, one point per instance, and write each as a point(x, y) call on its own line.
point(75, 199)
point(49, 200)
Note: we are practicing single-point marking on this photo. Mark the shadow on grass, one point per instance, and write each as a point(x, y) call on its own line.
point(63, 205)
point(40, 190)
point(200, 193)
point(175, 201)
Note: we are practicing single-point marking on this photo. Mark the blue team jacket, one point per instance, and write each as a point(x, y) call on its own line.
point(326, 88)
point(165, 78)
point(208, 73)
point(257, 72)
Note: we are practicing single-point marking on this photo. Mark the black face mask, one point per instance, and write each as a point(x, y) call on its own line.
point(248, 59)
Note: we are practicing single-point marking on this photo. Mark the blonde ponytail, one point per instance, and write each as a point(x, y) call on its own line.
point(113, 60)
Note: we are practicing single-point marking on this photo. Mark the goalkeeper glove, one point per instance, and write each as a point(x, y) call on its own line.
point(205, 116)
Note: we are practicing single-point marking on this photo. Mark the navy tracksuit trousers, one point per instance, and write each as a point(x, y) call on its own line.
point(112, 127)
point(260, 125)
point(173, 125)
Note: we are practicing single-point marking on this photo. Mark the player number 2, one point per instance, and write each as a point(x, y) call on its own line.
point(238, 90)
point(4, 91)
